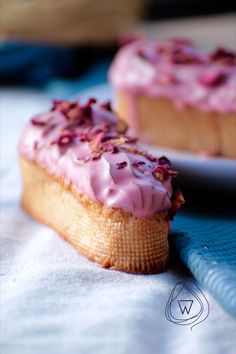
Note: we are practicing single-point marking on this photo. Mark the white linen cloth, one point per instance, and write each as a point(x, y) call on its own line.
point(55, 301)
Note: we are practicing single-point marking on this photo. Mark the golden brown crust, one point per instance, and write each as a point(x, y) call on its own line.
point(189, 129)
point(110, 237)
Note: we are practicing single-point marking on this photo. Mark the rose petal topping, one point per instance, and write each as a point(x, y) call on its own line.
point(121, 165)
point(91, 100)
point(177, 199)
point(162, 173)
point(213, 78)
point(138, 163)
point(185, 56)
point(38, 122)
point(164, 161)
point(64, 139)
point(223, 56)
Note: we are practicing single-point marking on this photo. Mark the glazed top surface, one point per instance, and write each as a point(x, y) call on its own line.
point(177, 70)
point(86, 146)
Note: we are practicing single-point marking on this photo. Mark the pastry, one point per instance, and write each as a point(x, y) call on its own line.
point(174, 95)
point(89, 181)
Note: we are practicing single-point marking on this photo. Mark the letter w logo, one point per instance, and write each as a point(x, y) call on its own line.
point(185, 306)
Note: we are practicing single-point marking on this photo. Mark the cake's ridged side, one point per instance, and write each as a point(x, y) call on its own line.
point(110, 237)
point(160, 123)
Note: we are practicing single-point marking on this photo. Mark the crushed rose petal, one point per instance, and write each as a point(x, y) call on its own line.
point(177, 199)
point(138, 163)
point(184, 56)
point(223, 56)
point(38, 122)
point(73, 111)
point(164, 161)
point(64, 139)
point(213, 79)
point(162, 173)
point(91, 100)
point(121, 165)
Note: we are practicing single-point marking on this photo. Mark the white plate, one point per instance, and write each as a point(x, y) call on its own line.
point(212, 171)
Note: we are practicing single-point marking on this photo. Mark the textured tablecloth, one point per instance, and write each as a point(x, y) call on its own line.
point(55, 301)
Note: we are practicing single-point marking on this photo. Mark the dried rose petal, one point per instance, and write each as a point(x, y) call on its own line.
point(179, 56)
point(100, 142)
point(91, 100)
point(64, 139)
point(75, 116)
point(223, 56)
point(86, 111)
point(164, 161)
point(138, 163)
point(84, 136)
point(64, 106)
point(38, 122)
point(111, 148)
point(121, 165)
point(161, 173)
point(131, 140)
point(213, 78)
point(96, 156)
point(177, 199)
point(73, 111)
point(149, 156)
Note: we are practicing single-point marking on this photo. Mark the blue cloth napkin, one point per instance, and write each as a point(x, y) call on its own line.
point(37, 65)
point(207, 246)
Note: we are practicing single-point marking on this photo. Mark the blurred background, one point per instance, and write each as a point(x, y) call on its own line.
point(44, 41)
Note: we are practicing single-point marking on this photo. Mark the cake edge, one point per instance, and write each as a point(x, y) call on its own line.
point(110, 237)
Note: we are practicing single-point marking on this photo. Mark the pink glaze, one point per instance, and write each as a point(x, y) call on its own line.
point(176, 70)
point(113, 178)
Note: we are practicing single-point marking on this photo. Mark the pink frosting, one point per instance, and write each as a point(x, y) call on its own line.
point(119, 178)
point(176, 70)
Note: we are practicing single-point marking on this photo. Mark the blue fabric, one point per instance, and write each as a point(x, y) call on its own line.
point(36, 65)
point(61, 88)
point(207, 246)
